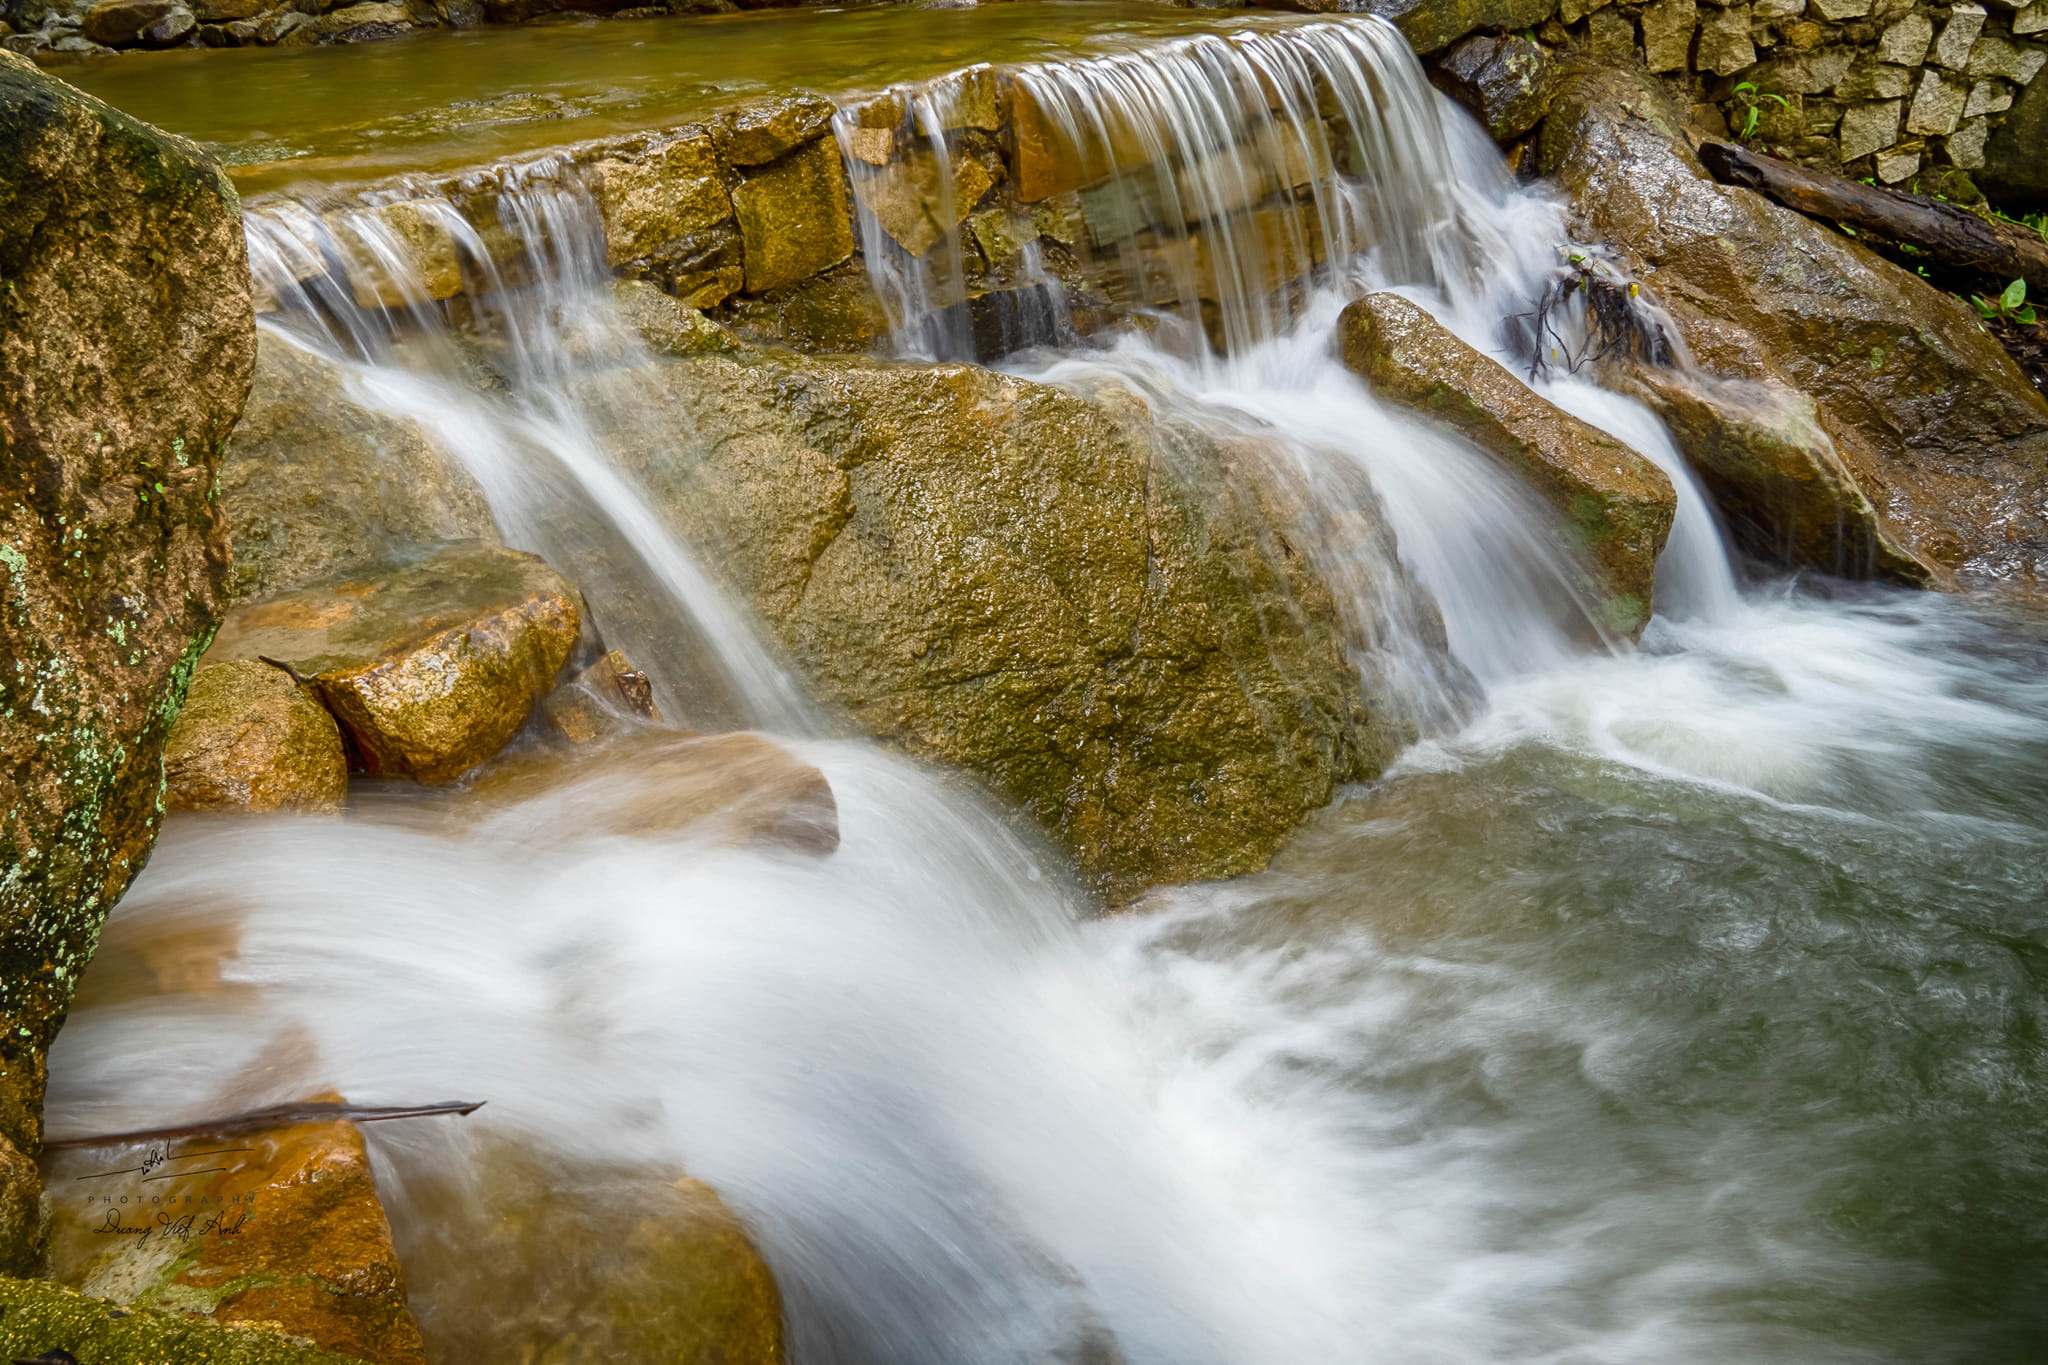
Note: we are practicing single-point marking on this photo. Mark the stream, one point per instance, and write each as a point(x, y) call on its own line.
point(1673, 1002)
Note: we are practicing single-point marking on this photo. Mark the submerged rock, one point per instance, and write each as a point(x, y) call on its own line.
point(38, 1318)
point(736, 788)
point(250, 738)
point(1100, 617)
point(1939, 429)
point(534, 1255)
point(430, 662)
point(126, 342)
point(1617, 506)
point(313, 482)
point(280, 1228)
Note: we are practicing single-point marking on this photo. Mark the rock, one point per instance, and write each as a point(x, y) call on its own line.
point(1043, 159)
point(1098, 616)
point(1611, 37)
point(312, 482)
point(23, 1234)
point(1994, 56)
point(545, 1257)
point(249, 738)
point(222, 11)
point(1937, 104)
point(287, 1233)
point(1905, 43)
point(594, 703)
point(1617, 505)
point(360, 23)
point(836, 311)
point(120, 22)
point(1432, 24)
point(917, 203)
point(430, 662)
point(668, 199)
point(169, 31)
point(37, 1317)
point(2014, 171)
point(1785, 494)
point(1725, 46)
point(1667, 34)
point(126, 343)
point(736, 788)
point(795, 218)
point(1959, 35)
point(760, 133)
point(1868, 128)
point(1504, 81)
point(414, 232)
point(1936, 424)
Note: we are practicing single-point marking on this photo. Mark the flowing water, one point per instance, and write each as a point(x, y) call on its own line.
point(1672, 1003)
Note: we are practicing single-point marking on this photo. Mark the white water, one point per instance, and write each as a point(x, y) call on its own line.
point(970, 1125)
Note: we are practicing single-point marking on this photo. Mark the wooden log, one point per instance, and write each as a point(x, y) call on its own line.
point(1951, 236)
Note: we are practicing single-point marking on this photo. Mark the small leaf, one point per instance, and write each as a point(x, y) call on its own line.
point(2025, 315)
point(2015, 294)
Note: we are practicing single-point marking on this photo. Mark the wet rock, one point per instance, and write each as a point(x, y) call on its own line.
point(1503, 81)
point(663, 201)
point(794, 218)
point(734, 788)
point(2014, 170)
point(118, 23)
point(286, 1232)
point(1100, 616)
point(1667, 33)
point(23, 1234)
point(37, 1317)
point(1938, 427)
point(313, 482)
point(1616, 504)
point(539, 1256)
point(760, 133)
point(1432, 24)
point(363, 23)
point(835, 311)
point(1784, 493)
point(595, 702)
point(1043, 159)
point(411, 230)
point(169, 31)
point(126, 343)
point(250, 738)
point(430, 662)
point(222, 11)
point(917, 202)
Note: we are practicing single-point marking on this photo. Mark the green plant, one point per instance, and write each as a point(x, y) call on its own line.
point(2009, 306)
point(1753, 101)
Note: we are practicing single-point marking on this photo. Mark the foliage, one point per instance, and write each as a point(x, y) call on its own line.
point(1753, 102)
point(2010, 306)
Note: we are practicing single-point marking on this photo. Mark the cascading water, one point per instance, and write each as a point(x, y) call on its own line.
point(1512, 1057)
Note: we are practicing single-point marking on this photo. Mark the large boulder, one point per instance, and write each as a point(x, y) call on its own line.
point(1939, 429)
point(430, 661)
point(314, 482)
point(39, 1319)
point(1100, 616)
point(126, 344)
point(1616, 507)
point(2016, 158)
point(280, 1227)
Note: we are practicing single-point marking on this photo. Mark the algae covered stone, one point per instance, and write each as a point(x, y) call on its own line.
point(430, 662)
point(794, 217)
point(1617, 506)
point(251, 738)
point(126, 343)
point(38, 1317)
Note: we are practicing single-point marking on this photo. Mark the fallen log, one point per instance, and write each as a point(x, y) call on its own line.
point(1950, 236)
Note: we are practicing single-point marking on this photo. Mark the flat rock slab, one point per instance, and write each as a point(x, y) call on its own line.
point(430, 663)
point(280, 1227)
point(1617, 506)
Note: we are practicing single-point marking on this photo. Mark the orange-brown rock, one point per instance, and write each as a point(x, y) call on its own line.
point(543, 1257)
point(1617, 506)
point(252, 738)
point(281, 1228)
point(593, 704)
point(795, 217)
point(431, 663)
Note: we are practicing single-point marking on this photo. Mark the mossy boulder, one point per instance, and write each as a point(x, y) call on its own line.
point(126, 345)
point(280, 1227)
point(38, 1317)
point(314, 482)
point(1932, 419)
point(430, 662)
point(252, 738)
point(1616, 506)
point(1100, 616)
